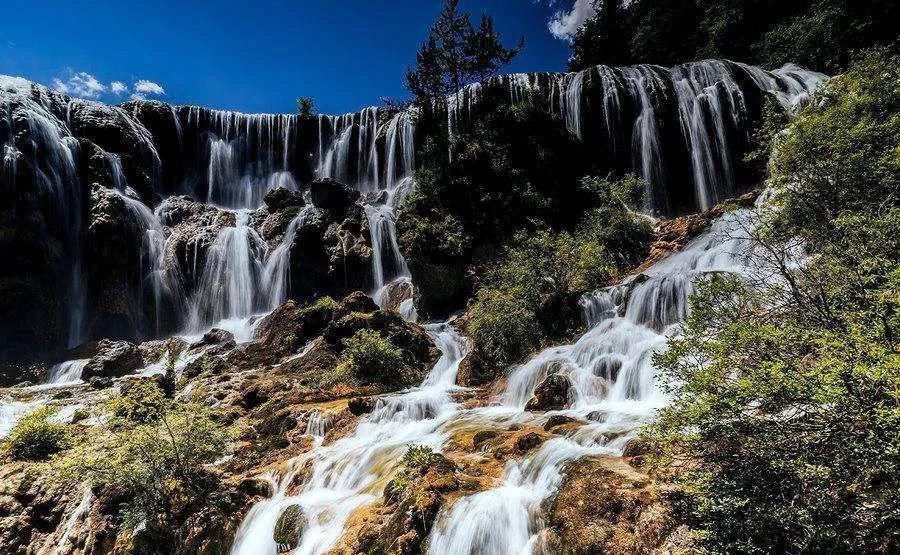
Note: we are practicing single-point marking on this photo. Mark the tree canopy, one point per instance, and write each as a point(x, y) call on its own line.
point(457, 53)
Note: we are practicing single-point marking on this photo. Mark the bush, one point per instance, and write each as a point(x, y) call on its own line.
point(35, 438)
point(513, 168)
point(786, 393)
point(140, 402)
point(160, 468)
point(840, 154)
point(372, 358)
point(529, 298)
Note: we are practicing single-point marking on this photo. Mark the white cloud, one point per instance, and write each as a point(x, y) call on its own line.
point(118, 87)
point(148, 87)
point(565, 24)
point(80, 84)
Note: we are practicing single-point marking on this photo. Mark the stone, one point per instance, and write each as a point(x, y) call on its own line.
point(331, 195)
point(113, 359)
point(217, 336)
point(558, 420)
point(359, 406)
point(552, 393)
point(281, 198)
point(289, 528)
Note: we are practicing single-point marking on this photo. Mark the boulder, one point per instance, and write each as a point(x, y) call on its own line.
point(359, 406)
point(474, 371)
point(605, 506)
point(113, 359)
point(558, 420)
point(281, 198)
point(289, 528)
point(552, 393)
point(333, 196)
point(217, 336)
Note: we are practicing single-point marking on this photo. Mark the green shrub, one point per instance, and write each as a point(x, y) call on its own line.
point(529, 297)
point(515, 168)
point(786, 392)
point(325, 303)
point(503, 326)
point(160, 468)
point(140, 402)
point(372, 358)
point(35, 438)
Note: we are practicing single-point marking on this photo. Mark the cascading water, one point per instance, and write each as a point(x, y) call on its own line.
point(66, 372)
point(228, 292)
point(276, 273)
point(345, 474)
point(613, 390)
point(232, 160)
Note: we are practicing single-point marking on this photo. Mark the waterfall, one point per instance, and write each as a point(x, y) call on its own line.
point(165, 283)
point(276, 273)
point(66, 372)
point(344, 472)
point(610, 373)
point(228, 292)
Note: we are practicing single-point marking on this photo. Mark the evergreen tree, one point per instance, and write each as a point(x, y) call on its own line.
point(456, 54)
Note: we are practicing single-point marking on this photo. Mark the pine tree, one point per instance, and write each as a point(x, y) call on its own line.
point(456, 54)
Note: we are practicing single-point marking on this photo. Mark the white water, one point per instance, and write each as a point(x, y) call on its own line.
point(613, 388)
point(346, 474)
point(66, 373)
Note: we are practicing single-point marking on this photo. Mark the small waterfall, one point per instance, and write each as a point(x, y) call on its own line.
point(318, 424)
point(60, 543)
point(610, 373)
point(228, 292)
point(345, 472)
point(66, 372)
point(276, 273)
point(165, 283)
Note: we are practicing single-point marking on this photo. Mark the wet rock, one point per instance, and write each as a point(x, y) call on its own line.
point(281, 198)
point(217, 336)
point(558, 420)
point(361, 405)
point(482, 437)
point(100, 383)
point(552, 393)
point(289, 528)
point(528, 441)
point(255, 487)
point(331, 195)
point(474, 371)
point(606, 506)
point(359, 302)
point(113, 359)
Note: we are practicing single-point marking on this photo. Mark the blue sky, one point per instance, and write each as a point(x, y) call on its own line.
point(253, 56)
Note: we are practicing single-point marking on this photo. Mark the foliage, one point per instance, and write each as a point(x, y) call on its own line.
point(159, 468)
point(840, 155)
point(372, 358)
point(820, 34)
point(306, 106)
point(35, 438)
point(456, 53)
point(515, 168)
point(773, 119)
point(140, 402)
point(787, 390)
point(530, 297)
point(416, 461)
